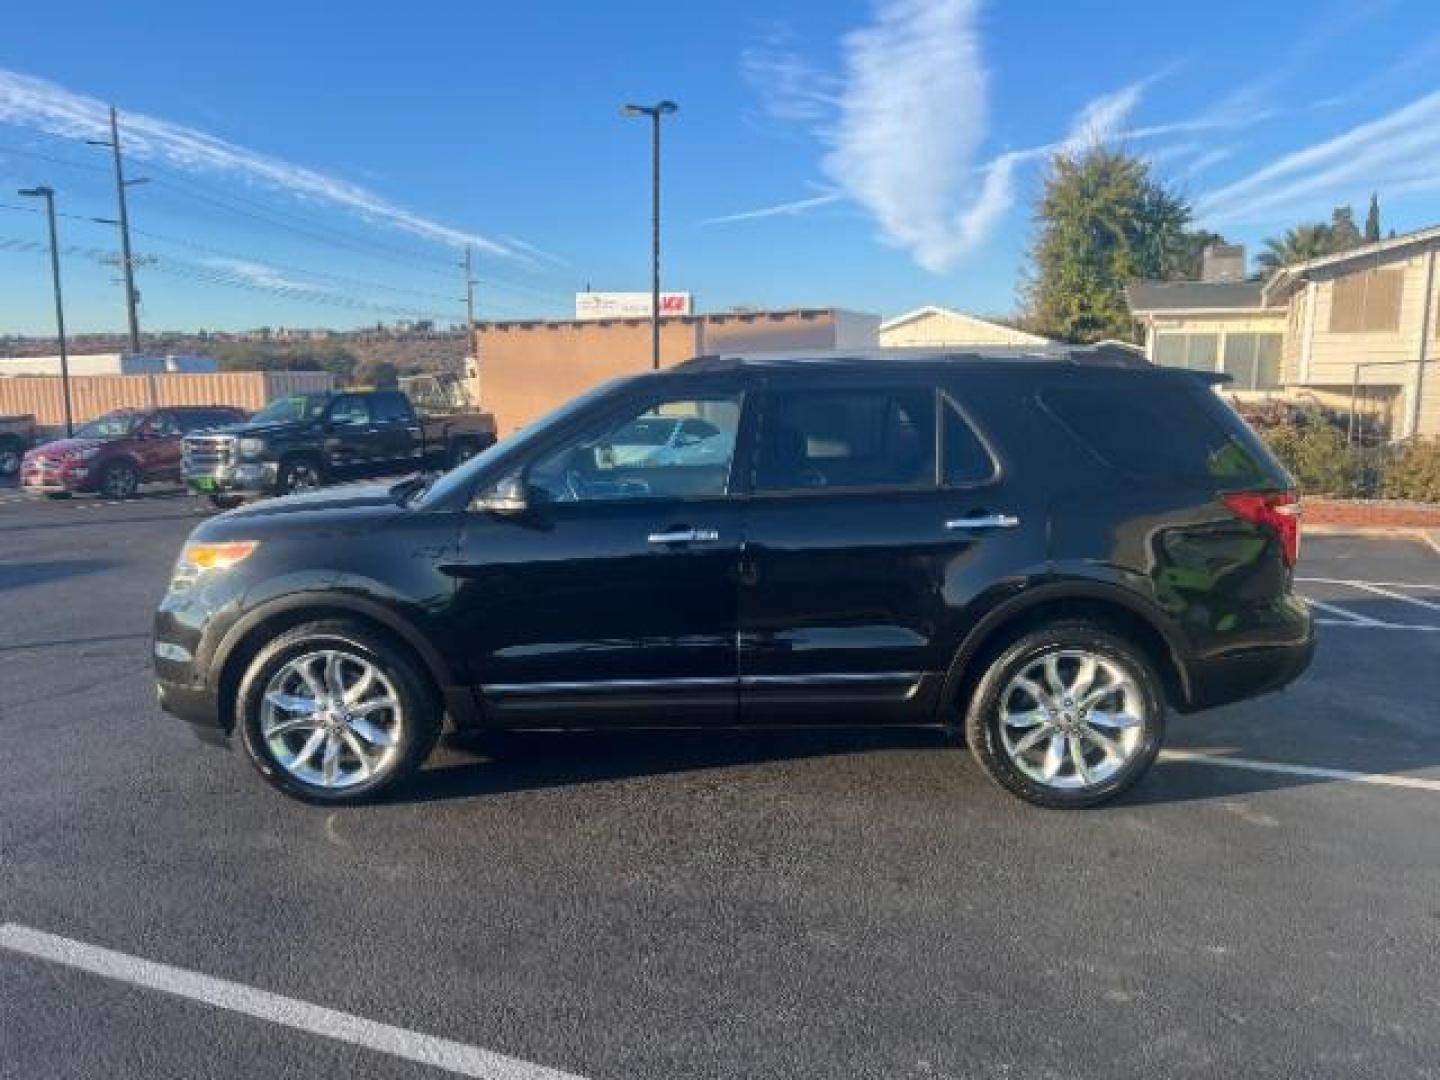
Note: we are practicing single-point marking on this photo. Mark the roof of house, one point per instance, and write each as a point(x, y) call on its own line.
point(1193, 295)
point(1289, 277)
point(934, 309)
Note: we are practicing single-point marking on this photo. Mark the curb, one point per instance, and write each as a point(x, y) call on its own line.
point(1429, 537)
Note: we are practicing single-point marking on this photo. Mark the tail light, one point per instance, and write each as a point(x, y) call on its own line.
point(1278, 511)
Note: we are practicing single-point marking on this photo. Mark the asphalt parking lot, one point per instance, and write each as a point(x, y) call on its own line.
point(1266, 903)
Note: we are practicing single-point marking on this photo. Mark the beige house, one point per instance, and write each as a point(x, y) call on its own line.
point(1368, 319)
point(931, 327)
point(1362, 326)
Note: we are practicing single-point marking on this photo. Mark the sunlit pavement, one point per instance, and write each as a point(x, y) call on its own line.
point(1267, 903)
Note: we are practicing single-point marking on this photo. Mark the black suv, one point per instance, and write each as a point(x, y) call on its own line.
point(1045, 551)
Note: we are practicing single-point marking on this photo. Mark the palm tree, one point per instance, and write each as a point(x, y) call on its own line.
point(1298, 244)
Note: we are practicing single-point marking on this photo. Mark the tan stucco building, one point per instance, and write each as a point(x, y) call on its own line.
point(1361, 324)
point(939, 327)
point(525, 369)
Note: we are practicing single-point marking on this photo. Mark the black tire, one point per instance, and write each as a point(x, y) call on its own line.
point(118, 480)
point(419, 709)
point(298, 474)
point(983, 714)
point(12, 450)
point(226, 502)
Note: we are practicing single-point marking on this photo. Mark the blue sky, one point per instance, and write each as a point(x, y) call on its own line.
point(313, 168)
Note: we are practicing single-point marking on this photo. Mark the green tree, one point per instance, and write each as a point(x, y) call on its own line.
point(1372, 220)
point(1188, 263)
point(1343, 233)
point(1296, 245)
point(1102, 222)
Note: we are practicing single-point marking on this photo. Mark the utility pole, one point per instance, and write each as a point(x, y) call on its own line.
point(48, 194)
point(654, 112)
point(472, 347)
point(127, 263)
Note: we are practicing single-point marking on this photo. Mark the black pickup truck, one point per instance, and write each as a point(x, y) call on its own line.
point(306, 440)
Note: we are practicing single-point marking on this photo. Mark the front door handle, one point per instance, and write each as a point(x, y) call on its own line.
point(685, 536)
point(986, 521)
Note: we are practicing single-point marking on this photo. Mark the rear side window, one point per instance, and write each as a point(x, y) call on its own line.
point(966, 461)
point(1159, 430)
point(389, 407)
point(860, 438)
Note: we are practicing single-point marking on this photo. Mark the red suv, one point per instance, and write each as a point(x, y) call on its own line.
point(116, 453)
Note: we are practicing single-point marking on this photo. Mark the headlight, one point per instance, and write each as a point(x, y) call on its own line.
point(199, 559)
point(252, 447)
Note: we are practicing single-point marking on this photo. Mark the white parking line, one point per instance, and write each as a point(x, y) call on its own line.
point(1380, 588)
point(1386, 584)
point(1347, 616)
point(287, 1012)
point(1286, 769)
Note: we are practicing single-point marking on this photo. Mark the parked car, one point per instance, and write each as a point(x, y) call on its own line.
point(303, 441)
point(17, 433)
point(1045, 552)
point(116, 453)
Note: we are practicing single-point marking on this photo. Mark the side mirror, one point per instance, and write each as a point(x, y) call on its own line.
point(509, 497)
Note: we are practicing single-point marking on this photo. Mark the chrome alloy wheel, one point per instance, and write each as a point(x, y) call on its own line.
point(1072, 719)
point(302, 477)
point(331, 719)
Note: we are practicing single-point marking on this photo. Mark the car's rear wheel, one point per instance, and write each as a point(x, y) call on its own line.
point(331, 712)
point(119, 480)
point(1068, 715)
point(226, 502)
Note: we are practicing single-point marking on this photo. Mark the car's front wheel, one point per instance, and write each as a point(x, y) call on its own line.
point(119, 480)
point(332, 712)
point(1068, 715)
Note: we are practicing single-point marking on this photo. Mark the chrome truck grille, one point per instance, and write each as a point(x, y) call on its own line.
point(205, 454)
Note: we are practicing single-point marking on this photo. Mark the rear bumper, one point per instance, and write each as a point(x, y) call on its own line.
point(1249, 671)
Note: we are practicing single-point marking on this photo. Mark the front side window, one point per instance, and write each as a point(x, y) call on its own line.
point(164, 424)
point(675, 449)
point(350, 409)
point(861, 438)
point(287, 409)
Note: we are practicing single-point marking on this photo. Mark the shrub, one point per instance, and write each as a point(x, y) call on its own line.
point(1414, 472)
point(1316, 455)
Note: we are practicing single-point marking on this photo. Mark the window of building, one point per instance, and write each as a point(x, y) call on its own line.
point(1367, 301)
point(862, 438)
point(1197, 352)
point(1253, 360)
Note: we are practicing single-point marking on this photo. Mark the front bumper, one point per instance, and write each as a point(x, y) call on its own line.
point(53, 480)
point(246, 477)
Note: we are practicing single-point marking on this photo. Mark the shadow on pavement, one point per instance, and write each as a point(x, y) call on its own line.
point(524, 761)
point(22, 575)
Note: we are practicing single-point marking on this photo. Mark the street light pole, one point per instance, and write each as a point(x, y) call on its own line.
point(48, 194)
point(654, 112)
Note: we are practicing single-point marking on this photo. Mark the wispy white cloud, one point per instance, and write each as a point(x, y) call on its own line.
point(41, 105)
point(903, 124)
point(785, 209)
point(256, 273)
point(1398, 150)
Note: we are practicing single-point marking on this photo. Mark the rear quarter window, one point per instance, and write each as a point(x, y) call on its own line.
point(1163, 429)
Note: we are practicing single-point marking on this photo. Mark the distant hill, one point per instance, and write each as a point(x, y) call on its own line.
point(350, 354)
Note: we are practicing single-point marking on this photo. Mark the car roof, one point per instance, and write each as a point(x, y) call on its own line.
point(1103, 356)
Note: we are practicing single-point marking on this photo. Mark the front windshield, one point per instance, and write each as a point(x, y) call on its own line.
point(463, 477)
point(115, 425)
point(287, 409)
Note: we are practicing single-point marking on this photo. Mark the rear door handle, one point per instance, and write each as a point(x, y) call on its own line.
point(685, 536)
point(987, 521)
